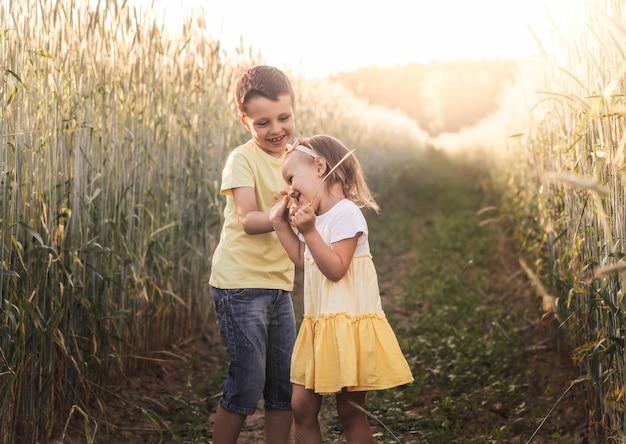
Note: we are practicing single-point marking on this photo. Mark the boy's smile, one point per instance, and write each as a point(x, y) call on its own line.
point(271, 123)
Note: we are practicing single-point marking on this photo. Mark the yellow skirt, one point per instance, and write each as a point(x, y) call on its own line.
point(337, 351)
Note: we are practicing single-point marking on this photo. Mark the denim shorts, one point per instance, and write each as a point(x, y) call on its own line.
point(258, 329)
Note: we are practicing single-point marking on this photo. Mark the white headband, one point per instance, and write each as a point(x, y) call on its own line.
point(306, 150)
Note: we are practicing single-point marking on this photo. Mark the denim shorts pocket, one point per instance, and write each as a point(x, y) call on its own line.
point(240, 294)
point(231, 292)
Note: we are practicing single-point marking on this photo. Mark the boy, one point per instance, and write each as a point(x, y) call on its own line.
point(251, 275)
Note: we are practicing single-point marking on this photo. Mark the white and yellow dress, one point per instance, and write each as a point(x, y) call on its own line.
point(345, 339)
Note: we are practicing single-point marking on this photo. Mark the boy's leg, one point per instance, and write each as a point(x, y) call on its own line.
point(227, 426)
point(356, 427)
point(306, 406)
point(278, 426)
point(242, 317)
point(277, 391)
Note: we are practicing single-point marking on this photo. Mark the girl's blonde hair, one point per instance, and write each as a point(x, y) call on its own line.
point(345, 168)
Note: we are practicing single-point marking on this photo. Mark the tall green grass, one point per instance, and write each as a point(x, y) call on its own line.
point(113, 133)
point(562, 177)
point(112, 136)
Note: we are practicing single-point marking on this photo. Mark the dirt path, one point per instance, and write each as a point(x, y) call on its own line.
point(173, 401)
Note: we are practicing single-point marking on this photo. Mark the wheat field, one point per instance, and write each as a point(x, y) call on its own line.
point(113, 134)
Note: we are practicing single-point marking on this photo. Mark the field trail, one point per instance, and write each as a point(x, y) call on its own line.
point(489, 366)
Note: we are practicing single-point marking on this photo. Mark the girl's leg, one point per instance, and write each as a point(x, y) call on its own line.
point(306, 408)
point(356, 427)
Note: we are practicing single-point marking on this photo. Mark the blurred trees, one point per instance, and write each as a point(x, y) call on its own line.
point(440, 96)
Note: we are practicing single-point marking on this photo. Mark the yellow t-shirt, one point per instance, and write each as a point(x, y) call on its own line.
point(250, 261)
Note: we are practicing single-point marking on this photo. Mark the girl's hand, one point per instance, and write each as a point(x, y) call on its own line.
point(303, 218)
point(279, 213)
point(279, 196)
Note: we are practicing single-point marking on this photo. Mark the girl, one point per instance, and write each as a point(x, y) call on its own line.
point(345, 345)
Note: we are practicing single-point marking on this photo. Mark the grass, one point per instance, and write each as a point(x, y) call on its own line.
point(564, 182)
point(464, 315)
point(487, 367)
point(114, 134)
point(109, 213)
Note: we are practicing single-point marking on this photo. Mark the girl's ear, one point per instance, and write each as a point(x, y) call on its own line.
point(320, 164)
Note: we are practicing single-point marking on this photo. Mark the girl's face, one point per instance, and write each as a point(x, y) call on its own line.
point(271, 123)
point(304, 176)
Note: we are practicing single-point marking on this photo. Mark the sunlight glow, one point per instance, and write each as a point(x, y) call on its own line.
point(328, 36)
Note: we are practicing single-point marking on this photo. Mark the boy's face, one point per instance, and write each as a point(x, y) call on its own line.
point(271, 123)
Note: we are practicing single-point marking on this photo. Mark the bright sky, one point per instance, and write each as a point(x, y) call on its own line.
point(326, 36)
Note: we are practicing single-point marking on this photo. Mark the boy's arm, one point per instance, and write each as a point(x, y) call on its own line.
point(251, 219)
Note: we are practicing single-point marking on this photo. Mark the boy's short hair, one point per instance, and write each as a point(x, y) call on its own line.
point(265, 81)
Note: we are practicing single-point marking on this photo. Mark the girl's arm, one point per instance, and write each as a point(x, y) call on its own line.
point(289, 240)
point(251, 219)
point(332, 261)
